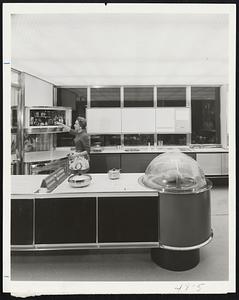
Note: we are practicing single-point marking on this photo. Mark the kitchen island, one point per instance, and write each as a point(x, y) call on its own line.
point(105, 213)
point(108, 213)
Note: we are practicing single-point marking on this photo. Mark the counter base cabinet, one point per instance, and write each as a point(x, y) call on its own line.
point(22, 222)
point(101, 163)
point(136, 162)
point(225, 164)
point(65, 220)
point(128, 219)
point(210, 163)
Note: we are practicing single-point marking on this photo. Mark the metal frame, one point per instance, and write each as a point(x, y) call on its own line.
point(188, 104)
point(80, 246)
point(54, 145)
point(188, 248)
point(188, 101)
point(21, 122)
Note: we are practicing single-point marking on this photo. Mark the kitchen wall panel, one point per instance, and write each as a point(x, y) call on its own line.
point(38, 92)
point(103, 120)
point(138, 120)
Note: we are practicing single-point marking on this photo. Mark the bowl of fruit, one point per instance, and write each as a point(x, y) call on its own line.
point(78, 163)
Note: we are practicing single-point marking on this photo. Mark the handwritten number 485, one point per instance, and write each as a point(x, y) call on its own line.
point(189, 287)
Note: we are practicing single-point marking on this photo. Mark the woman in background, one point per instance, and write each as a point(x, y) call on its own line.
point(81, 140)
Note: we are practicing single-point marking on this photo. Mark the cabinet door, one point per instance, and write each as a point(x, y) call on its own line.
point(137, 115)
point(165, 120)
point(21, 221)
point(135, 162)
point(128, 219)
point(65, 220)
point(211, 163)
point(224, 163)
point(102, 163)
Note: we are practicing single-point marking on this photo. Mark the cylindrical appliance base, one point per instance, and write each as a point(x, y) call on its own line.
point(175, 260)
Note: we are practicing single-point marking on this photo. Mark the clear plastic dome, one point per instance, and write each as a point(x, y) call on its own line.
point(174, 172)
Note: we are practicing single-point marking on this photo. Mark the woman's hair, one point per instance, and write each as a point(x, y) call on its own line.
point(82, 122)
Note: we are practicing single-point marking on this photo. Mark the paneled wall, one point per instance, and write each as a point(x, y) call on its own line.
point(38, 92)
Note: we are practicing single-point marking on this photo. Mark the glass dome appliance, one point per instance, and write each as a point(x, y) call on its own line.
point(184, 209)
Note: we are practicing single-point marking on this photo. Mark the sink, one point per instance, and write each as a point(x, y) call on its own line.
point(132, 149)
point(185, 149)
point(175, 148)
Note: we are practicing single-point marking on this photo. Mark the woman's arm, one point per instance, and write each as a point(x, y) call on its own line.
point(67, 128)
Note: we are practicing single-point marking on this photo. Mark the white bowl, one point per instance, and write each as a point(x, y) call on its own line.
point(79, 180)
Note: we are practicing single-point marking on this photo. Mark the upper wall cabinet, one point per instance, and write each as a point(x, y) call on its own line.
point(103, 120)
point(138, 120)
point(105, 97)
point(173, 120)
point(138, 97)
point(182, 120)
point(38, 92)
point(171, 96)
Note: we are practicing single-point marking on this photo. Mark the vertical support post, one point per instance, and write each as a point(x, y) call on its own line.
point(88, 106)
point(88, 97)
point(224, 115)
point(121, 106)
point(54, 139)
point(188, 104)
point(155, 106)
point(97, 220)
point(34, 223)
point(20, 123)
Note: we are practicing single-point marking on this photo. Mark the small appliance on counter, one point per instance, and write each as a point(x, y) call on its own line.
point(77, 180)
point(114, 173)
point(184, 209)
point(96, 147)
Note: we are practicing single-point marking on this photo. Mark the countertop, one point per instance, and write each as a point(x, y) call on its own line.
point(40, 156)
point(161, 149)
point(25, 186)
point(62, 152)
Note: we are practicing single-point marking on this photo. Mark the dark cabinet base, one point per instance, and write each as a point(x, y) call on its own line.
point(22, 222)
point(128, 219)
point(65, 220)
point(135, 162)
point(102, 163)
point(175, 260)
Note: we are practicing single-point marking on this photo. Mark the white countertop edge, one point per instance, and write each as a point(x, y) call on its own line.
point(53, 195)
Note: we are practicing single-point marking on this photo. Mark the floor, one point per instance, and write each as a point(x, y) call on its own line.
point(129, 265)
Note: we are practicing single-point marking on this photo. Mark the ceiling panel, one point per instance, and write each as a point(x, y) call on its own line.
point(70, 48)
